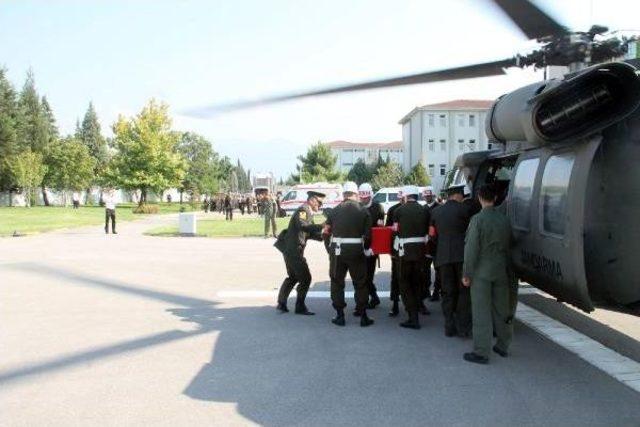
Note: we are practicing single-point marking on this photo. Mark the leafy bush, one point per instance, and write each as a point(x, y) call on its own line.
point(146, 209)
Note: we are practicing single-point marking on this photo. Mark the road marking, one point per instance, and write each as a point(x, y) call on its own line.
point(620, 367)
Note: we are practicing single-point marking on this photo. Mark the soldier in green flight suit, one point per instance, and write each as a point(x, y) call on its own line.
point(292, 242)
point(486, 260)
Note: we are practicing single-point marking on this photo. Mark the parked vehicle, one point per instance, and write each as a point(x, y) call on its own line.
point(388, 196)
point(297, 195)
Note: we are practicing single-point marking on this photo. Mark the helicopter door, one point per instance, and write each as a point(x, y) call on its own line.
point(546, 208)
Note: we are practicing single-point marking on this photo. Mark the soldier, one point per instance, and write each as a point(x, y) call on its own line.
point(349, 225)
point(450, 223)
point(268, 207)
point(228, 208)
point(394, 294)
point(431, 204)
point(411, 222)
point(291, 242)
point(486, 260)
point(376, 212)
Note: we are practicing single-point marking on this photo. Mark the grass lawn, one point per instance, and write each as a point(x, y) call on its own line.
point(38, 219)
point(239, 227)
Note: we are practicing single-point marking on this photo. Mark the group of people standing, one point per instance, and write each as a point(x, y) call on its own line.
point(466, 240)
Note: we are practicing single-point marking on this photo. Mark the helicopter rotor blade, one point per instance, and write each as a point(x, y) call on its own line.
point(533, 22)
point(466, 72)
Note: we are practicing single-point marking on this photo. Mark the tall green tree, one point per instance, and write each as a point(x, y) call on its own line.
point(388, 175)
point(201, 172)
point(70, 166)
point(89, 133)
point(360, 172)
point(233, 181)
point(147, 156)
point(418, 176)
point(319, 164)
point(9, 114)
point(27, 170)
point(36, 122)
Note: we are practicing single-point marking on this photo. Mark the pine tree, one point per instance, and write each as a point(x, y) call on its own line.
point(89, 133)
point(9, 146)
point(418, 176)
point(319, 164)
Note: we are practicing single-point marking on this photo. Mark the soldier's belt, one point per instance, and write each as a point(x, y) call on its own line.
point(399, 242)
point(339, 241)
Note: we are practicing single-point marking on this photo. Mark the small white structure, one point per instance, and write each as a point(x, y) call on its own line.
point(187, 224)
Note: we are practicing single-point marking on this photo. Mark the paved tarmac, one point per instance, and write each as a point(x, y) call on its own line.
point(130, 330)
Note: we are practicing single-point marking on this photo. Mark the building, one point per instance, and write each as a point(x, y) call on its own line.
point(437, 134)
point(348, 153)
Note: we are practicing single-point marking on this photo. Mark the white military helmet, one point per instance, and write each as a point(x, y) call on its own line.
point(410, 190)
point(428, 191)
point(365, 191)
point(350, 187)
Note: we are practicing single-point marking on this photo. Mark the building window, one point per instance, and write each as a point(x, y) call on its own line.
point(554, 193)
point(431, 120)
point(431, 169)
point(443, 145)
point(472, 145)
point(461, 120)
point(489, 146)
point(443, 120)
point(522, 193)
point(432, 146)
point(443, 170)
point(472, 120)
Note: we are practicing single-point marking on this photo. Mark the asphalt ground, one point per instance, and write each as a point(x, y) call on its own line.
point(131, 329)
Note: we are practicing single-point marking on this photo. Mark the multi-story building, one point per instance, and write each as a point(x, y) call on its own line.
point(348, 153)
point(437, 134)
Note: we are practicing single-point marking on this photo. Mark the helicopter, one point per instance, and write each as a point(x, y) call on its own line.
point(564, 158)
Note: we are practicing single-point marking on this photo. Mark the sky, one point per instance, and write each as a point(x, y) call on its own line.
point(188, 53)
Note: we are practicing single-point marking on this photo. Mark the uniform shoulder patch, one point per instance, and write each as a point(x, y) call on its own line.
point(303, 215)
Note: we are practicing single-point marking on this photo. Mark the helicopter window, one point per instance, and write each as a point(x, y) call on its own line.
point(472, 120)
point(554, 193)
point(522, 193)
point(459, 178)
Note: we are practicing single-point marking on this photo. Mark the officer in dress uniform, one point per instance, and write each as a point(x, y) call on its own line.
point(450, 223)
point(394, 294)
point(486, 261)
point(291, 242)
point(430, 205)
point(348, 229)
point(376, 212)
point(411, 222)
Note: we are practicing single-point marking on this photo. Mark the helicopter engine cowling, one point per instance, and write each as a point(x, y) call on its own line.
point(559, 110)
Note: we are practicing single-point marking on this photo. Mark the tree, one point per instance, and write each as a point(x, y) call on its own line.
point(201, 172)
point(69, 165)
point(37, 125)
point(360, 172)
point(147, 157)
point(27, 171)
point(243, 179)
point(233, 182)
point(9, 146)
point(88, 132)
point(418, 176)
point(388, 175)
point(319, 164)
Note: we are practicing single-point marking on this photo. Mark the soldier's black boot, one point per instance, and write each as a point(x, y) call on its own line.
point(395, 310)
point(412, 322)
point(365, 320)
point(374, 301)
point(301, 308)
point(282, 307)
point(339, 319)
